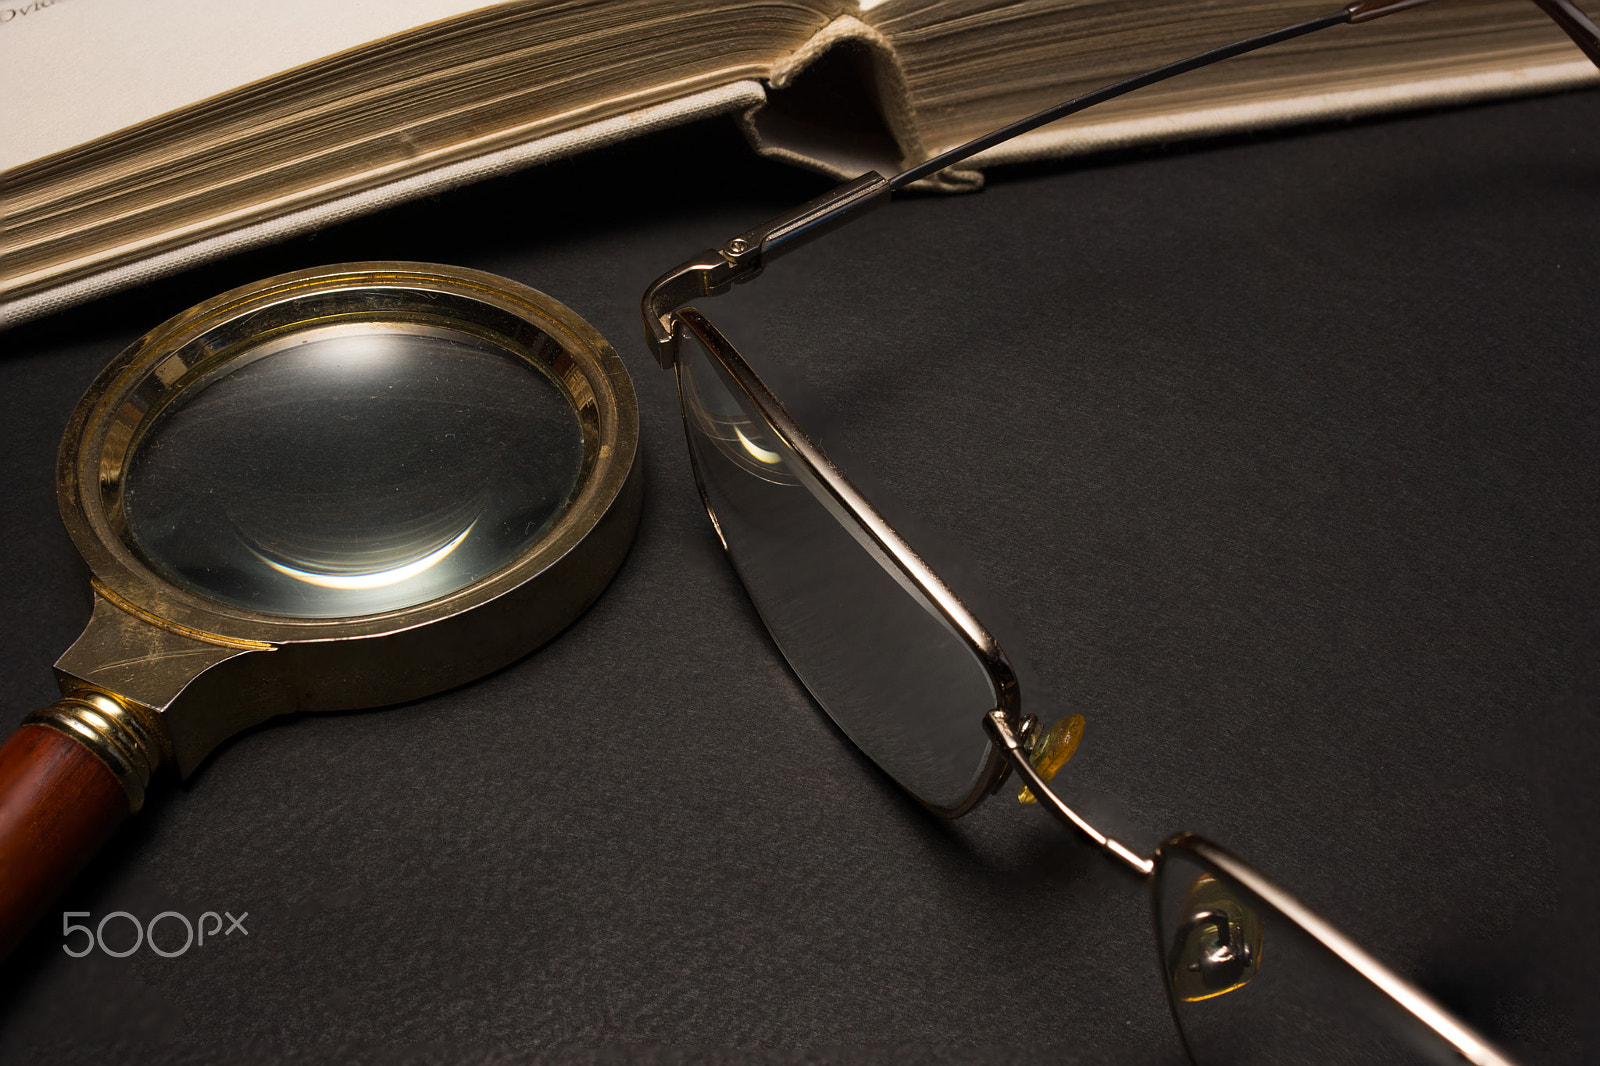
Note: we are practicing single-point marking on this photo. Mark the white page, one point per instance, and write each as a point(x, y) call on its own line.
point(74, 70)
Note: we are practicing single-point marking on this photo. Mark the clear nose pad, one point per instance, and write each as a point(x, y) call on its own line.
point(1217, 948)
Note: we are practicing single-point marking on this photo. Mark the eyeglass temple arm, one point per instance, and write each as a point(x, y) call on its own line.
point(741, 259)
point(714, 271)
point(994, 723)
point(1564, 13)
point(1111, 92)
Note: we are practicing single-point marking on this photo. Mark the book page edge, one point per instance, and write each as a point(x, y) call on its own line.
point(1290, 110)
point(736, 96)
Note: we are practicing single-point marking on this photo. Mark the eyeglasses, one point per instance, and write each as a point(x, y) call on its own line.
point(906, 668)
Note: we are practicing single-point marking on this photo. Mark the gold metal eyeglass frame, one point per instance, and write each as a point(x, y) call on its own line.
point(668, 319)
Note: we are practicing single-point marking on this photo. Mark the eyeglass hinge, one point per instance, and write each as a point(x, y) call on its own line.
point(757, 247)
point(714, 271)
point(708, 274)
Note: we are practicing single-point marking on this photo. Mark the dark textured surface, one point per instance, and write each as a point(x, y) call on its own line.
point(1281, 454)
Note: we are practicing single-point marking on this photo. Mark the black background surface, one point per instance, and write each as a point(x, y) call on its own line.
point(1280, 454)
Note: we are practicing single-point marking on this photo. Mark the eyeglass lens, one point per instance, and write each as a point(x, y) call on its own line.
point(874, 652)
point(1248, 986)
point(353, 469)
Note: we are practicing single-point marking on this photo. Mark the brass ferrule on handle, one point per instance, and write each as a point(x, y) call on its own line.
point(128, 738)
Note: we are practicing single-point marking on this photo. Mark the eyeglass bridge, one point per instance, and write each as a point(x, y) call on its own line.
point(1016, 751)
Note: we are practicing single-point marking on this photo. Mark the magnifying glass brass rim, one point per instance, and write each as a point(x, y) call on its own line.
point(163, 672)
point(130, 393)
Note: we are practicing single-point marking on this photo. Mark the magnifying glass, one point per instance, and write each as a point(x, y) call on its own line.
point(334, 489)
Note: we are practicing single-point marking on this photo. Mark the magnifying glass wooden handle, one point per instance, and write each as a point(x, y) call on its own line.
point(58, 803)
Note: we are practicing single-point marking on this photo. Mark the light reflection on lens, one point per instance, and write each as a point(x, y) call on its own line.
point(352, 469)
point(366, 579)
point(765, 455)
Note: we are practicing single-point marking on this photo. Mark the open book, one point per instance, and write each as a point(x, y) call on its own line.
point(142, 137)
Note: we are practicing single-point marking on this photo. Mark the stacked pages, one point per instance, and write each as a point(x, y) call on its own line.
point(143, 137)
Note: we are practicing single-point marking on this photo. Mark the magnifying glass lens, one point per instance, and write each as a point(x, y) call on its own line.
point(353, 469)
